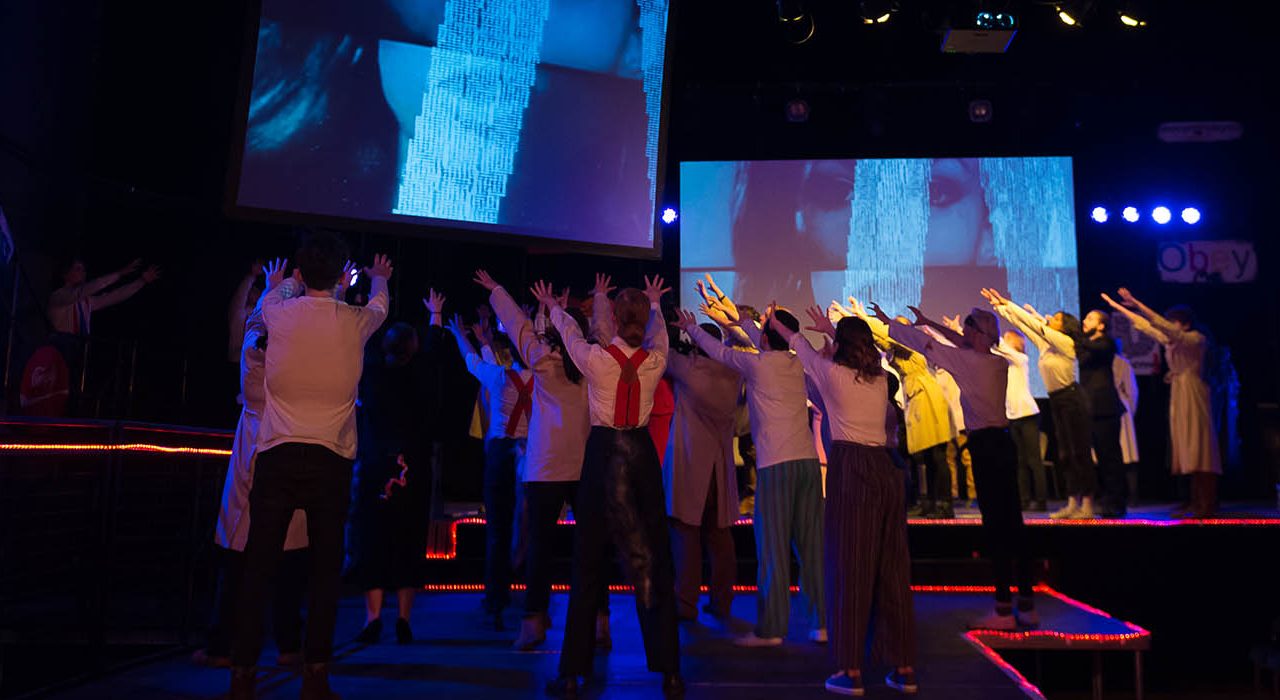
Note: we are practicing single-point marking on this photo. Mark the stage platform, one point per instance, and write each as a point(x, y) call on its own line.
point(456, 656)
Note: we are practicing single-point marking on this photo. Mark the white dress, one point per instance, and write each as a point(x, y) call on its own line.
point(1195, 442)
point(1127, 388)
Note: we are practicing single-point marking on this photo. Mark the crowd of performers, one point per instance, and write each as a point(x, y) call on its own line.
point(575, 422)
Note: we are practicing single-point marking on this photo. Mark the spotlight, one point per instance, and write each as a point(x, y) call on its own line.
point(1071, 13)
point(877, 11)
point(669, 216)
point(1099, 214)
point(1134, 14)
point(1130, 214)
point(1161, 215)
point(980, 111)
point(797, 110)
point(1191, 215)
point(797, 25)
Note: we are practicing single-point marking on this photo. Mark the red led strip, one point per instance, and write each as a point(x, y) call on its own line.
point(1027, 687)
point(127, 447)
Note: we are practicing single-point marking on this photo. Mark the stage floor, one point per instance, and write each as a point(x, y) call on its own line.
point(455, 656)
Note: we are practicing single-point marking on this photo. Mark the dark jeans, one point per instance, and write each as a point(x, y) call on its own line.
point(543, 503)
point(1114, 491)
point(621, 501)
point(1071, 421)
point(288, 477)
point(500, 457)
point(286, 606)
point(1025, 432)
point(687, 544)
point(995, 463)
point(937, 475)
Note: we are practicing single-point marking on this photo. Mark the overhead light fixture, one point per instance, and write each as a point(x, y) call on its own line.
point(797, 24)
point(1161, 215)
point(1072, 12)
point(1130, 214)
point(1191, 215)
point(877, 11)
point(1134, 14)
point(1100, 215)
point(797, 110)
point(980, 111)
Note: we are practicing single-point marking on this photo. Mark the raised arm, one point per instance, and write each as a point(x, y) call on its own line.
point(488, 373)
point(123, 292)
point(1168, 327)
point(518, 324)
point(1140, 322)
point(602, 325)
point(1032, 325)
point(944, 356)
point(655, 332)
point(578, 348)
point(743, 362)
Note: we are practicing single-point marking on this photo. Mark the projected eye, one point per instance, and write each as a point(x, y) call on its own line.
point(944, 191)
point(828, 192)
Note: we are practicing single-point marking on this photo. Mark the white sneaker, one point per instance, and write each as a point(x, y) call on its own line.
point(752, 641)
point(818, 636)
point(996, 622)
point(1068, 511)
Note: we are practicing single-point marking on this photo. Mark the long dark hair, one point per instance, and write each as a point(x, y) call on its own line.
point(1071, 326)
point(856, 348)
point(553, 338)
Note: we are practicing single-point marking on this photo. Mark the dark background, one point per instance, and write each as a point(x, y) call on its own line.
point(116, 118)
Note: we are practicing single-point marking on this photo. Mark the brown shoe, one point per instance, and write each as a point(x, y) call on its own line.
point(603, 639)
point(533, 632)
point(315, 683)
point(242, 682)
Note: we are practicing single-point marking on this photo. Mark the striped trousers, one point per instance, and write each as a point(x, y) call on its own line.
point(788, 516)
point(866, 560)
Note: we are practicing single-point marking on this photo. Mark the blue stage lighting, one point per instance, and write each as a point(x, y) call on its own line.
point(1130, 214)
point(1099, 214)
point(669, 216)
point(1162, 215)
point(1191, 215)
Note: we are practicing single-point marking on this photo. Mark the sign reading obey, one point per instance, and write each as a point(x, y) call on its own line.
point(1208, 261)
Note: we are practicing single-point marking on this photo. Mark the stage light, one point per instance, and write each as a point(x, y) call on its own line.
point(1072, 13)
point(994, 20)
point(1162, 215)
point(1191, 215)
point(1134, 14)
point(980, 111)
point(669, 216)
point(797, 110)
point(877, 11)
point(797, 24)
point(1099, 214)
point(1130, 214)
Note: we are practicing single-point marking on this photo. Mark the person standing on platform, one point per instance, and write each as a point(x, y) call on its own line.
point(1055, 338)
point(620, 497)
point(71, 306)
point(1194, 440)
point(391, 514)
point(1127, 390)
point(1024, 422)
point(509, 391)
point(232, 530)
point(698, 474)
point(983, 379)
point(865, 557)
point(788, 512)
point(1096, 352)
point(558, 428)
point(306, 447)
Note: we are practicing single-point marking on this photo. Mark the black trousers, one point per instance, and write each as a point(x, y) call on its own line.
point(1025, 432)
point(288, 477)
point(543, 502)
point(937, 475)
point(621, 501)
point(1071, 420)
point(995, 464)
point(1114, 490)
point(286, 605)
point(500, 458)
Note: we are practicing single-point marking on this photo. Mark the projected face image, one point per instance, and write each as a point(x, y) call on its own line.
point(538, 119)
point(919, 232)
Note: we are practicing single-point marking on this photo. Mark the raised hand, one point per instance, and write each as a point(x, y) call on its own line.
point(722, 300)
point(151, 274)
point(132, 267)
point(993, 297)
point(455, 326)
point(1127, 298)
point(653, 288)
point(685, 321)
point(563, 299)
point(434, 302)
point(953, 323)
point(714, 313)
point(381, 267)
point(821, 323)
point(483, 279)
point(546, 294)
point(1114, 304)
point(604, 284)
point(275, 272)
point(879, 313)
point(857, 307)
point(836, 311)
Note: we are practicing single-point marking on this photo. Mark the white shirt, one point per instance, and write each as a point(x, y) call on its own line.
point(854, 407)
point(500, 395)
point(983, 377)
point(776, 398)
point(1018, 401)
point(315, 355)
point(1057, 349)
point(70, 307)
point(602, 371)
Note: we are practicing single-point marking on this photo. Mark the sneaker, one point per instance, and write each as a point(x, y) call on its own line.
point(843, 684)
point(904, 683)
point(1067, 511)
point(751, 641)
point(1027, 618)
point(1085, 511)
point(818, 636)
point(996, 621)
point(923, 509)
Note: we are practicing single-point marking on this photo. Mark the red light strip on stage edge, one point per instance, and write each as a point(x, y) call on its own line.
point(125, 447)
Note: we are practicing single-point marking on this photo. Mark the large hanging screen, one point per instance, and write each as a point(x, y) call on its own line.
point(532, 118)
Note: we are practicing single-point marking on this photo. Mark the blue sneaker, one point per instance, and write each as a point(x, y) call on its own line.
point(844, 684)
point(904, 683)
